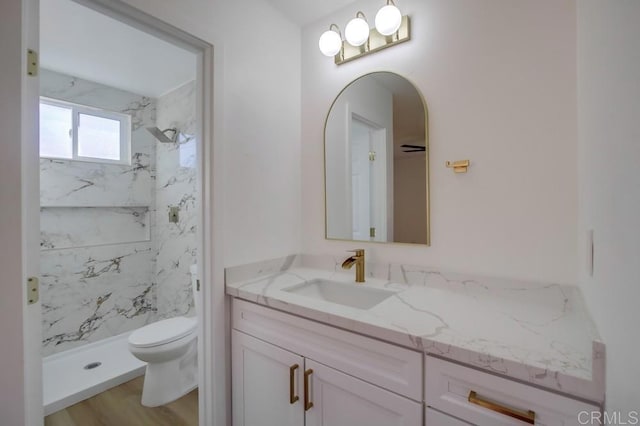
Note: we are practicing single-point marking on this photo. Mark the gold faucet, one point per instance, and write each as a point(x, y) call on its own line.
point(358, 260)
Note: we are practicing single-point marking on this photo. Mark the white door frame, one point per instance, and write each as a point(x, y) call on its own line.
point(20, 381)
point(379, 206)
point(381, 198)
point(211, 337)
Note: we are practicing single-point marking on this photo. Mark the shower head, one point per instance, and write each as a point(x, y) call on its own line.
point(161, 135)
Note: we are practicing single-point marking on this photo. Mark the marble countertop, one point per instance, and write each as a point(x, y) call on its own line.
point(534, 332)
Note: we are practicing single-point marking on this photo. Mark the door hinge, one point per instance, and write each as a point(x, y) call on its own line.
point(197, 285)
point(32, 63)
point(372, 232)
point(33, 290)
point(372, 156)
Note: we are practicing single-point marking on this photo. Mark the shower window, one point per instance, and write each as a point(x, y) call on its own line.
point(79, 132)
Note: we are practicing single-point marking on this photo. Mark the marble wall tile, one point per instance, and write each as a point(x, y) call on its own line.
point(78, 183)
point(111, 260)
point(66, 183)
point(94, 293)
point(68, 227)
point(96, 282)
point(176, 186)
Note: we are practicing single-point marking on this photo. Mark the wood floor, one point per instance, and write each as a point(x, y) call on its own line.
point(120, 406)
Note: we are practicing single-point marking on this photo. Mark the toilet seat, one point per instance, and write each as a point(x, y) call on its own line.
point(162, 332)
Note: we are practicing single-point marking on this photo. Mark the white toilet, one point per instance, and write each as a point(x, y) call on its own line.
point(169, 347)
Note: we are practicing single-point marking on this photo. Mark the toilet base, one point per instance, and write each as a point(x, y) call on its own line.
point(167, 381)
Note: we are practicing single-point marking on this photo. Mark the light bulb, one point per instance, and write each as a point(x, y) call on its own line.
point(388, 20)
point(357, 32)
point(330, 43)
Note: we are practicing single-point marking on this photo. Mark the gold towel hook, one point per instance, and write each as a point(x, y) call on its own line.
point(460, 166)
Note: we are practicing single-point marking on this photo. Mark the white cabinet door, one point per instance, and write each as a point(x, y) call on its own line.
point(261, 384)
point(382, 364)
point(436, 418)
point(342, 400)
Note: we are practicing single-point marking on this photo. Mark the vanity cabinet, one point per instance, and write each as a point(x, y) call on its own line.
point(288, 370)
point(291, 371)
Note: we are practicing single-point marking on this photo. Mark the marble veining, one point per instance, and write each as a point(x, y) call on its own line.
point(94, 293)
point(97, 219)
point(68, 227)
point(66, 183)
point(176, 243)
point(539, 333)
point(111, 261)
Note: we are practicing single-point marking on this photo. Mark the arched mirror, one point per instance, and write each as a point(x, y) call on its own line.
point(376, 147)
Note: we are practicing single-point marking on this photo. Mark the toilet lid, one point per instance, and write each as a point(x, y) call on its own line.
point(161, 332)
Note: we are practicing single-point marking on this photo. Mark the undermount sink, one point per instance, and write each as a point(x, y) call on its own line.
point(353, 295)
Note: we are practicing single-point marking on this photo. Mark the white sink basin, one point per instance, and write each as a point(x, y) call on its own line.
point(354, 295)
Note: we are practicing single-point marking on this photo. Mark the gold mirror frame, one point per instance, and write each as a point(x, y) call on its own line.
point(427, 155)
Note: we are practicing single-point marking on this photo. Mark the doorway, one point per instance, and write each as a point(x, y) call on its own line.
point(368, 154)
point(122, 219)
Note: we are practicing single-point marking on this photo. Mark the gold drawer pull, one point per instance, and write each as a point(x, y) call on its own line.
point(307, 404)
point(527, 417)
point(292, 373)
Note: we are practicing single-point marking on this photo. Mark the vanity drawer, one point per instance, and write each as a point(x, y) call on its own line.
point(482, 398)
point(436, 418)
point(388, 366)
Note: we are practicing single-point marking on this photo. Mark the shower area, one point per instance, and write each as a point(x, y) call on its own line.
point(118, 226)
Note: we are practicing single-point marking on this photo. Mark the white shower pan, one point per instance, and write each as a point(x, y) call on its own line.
point(66, 381)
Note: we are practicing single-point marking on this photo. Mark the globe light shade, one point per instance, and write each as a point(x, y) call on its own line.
point(388, 20)
point(357, 32)
point(330, 43)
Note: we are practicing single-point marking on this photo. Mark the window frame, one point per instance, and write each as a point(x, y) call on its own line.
point(76, 110)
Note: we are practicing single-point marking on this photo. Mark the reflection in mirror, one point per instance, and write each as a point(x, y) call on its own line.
point(376, 162)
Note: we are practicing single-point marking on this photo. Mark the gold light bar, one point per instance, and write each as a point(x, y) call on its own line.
point(375, 43)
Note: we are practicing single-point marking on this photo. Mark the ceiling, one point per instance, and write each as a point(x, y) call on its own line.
point(78, 41)
point(304, 12)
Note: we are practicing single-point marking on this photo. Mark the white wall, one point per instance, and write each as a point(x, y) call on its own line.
point(257, 118)
point(609, 147)
point(262, 132)
point(498, 77)
point(256, 154)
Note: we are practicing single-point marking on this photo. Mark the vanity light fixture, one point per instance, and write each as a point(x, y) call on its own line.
point(357, 30)
point(388, 19)
point(391, 28)
point(330, 42)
